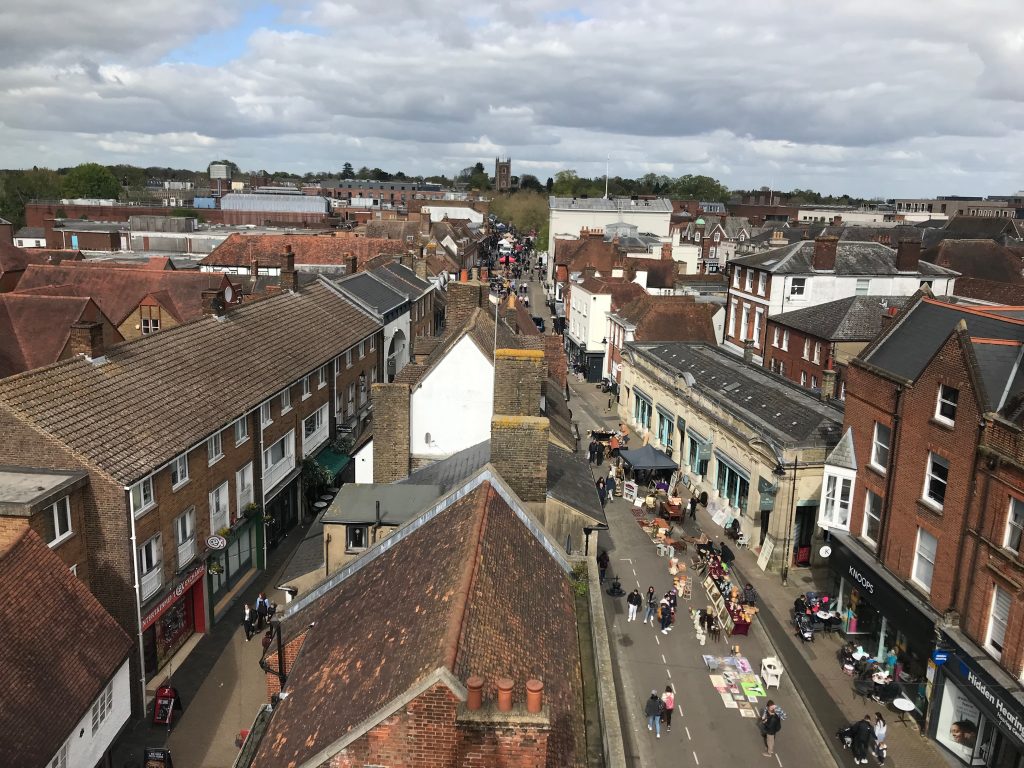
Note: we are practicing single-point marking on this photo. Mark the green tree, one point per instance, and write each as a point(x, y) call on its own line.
point(347, 172)
point(91, 180)
point(20, 187)
point(526, 210)
point(530, 183)
point(566, 183)
point(363, 173)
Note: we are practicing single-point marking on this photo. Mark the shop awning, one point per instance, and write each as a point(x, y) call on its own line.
point(647, 457)
point(332, 460)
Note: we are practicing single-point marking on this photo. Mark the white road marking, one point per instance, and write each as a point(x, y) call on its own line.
point(696, 759)
point(777, 758)
point(634, 574)
point(663, 660)
point(627, 559)
point(657, 640)
point(669, 673)
point(688, 736)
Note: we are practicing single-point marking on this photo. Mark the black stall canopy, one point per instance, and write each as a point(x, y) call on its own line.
point(647, 457)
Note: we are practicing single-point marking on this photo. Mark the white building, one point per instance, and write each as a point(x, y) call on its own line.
point(30, 237)
point(829, 214)
point(806, 273)
point(569, 215)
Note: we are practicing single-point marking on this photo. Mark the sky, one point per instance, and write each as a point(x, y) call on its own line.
point(875, 99)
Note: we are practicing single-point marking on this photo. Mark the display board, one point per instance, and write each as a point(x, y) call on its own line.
point(629, 489)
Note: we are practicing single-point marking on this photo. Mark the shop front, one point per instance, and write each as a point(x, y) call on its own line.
point(977, 714)
point(176, 616)
point(242, 552)
point(879, 613)
point(282, 510)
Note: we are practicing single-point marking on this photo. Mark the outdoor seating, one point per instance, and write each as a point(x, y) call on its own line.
point(771, 671)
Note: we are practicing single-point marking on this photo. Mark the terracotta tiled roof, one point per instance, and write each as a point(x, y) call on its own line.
point(161, 394)
point(393, 230)
point(496, 603)
point(119, 290)
point(16, 259)
point(989, 290)
point(661, 273)
point(671, 318)
point(57, 255)
point(240, 250)
point(34, 329)
point(589, 252)
point(57, 638)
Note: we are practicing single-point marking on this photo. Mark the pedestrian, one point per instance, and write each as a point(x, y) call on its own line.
point(599, 455)
point(668, 698)
point(248, 618)
point(863, 732)
point(602, 491)
point(592, 450)
point(610, 485)
point(634, 600)
point(771, 724)
point(653, 711)
point(880, 731)
point(693, 507)
point(262, 611)
point(652, 606)
point(268, 638)
point(602, 564)
point(665, 615)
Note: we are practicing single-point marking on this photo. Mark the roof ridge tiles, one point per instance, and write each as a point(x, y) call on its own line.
point(457, 621)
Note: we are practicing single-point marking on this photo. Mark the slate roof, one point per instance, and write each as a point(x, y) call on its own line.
point(571, 481)
point(852, 258)
point(403, 279)
point(984, 259)
point(57, 638)
point(843, 455)
point(671, 318)
point(127, 413)
point(36, 233)
point(239, 250)
point(612, 205)
point(774, 405)
point(447, 473)
point(991, 227)
point(365, 287)
point(855, 318)
point(34, 330)
point(996, 336)
point(377, 633)
point(358, 502)
point(118, 290)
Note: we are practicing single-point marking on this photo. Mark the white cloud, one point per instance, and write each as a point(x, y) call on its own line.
point(862, 96)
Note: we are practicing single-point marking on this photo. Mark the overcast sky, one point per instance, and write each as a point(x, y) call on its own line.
point(893, 98)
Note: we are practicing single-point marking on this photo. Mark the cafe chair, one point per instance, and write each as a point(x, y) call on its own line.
point(743, 541)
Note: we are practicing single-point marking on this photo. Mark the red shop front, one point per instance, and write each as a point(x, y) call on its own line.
point(178, 615)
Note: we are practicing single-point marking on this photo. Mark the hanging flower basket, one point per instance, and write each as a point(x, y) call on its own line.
point(215, 568)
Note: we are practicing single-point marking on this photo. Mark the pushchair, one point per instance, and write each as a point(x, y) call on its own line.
point(845, 736)
point(804, 628)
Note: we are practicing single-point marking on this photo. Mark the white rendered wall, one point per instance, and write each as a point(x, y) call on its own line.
point(453, 404)
point(88, 749)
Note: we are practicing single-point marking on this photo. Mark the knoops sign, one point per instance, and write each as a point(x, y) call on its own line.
point(861, 579)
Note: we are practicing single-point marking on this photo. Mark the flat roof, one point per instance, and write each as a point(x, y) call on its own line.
point(357, 503)
point(22, 487)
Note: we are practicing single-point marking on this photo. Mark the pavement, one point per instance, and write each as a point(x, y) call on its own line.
point(816, 695)
point(220, 683)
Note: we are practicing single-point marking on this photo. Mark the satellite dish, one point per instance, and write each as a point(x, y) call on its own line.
point(825, 551)
point(229, 294)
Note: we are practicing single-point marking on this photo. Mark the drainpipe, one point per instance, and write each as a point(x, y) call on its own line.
point(991, 464)
point(790, 519)
point(138, 596)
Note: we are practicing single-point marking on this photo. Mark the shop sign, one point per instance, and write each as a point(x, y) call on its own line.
point(173, 596)
point(1007, 718)
point(940, 657)
point(861, 579)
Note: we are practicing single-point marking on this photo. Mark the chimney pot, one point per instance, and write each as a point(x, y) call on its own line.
point(534, 696)
point(828, 383)
point(485, 274)
point(475, 700)
point(463, 275)
point(504, 694)
point(666, 251)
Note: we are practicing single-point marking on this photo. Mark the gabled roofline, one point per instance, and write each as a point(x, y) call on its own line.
point(439, 675)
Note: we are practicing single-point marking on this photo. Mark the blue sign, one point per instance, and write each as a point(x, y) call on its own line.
point(940, 657)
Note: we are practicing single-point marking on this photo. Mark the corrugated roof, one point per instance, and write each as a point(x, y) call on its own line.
point(156, 396)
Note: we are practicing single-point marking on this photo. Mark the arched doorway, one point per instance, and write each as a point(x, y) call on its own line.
point(398, 354)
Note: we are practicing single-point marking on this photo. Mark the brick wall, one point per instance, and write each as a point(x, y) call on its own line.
point(792, 358)
point(291, 653)
point(871, 398)
point(517, 381)
point(428, 733)
point(519, 453)
point(391, 432)
point(554, 354)
point(12, 529)
point(462, 299)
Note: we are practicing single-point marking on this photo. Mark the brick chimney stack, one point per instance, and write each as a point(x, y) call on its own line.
point(213, 303)
point(518, 377)
point(405, 259)
point(519, 451)
point(390, 432)
point(666, 251)
point(828, 383)
point(824, 259)
point(908, 255)
point(462, 299)
point(748, 351)
point(87, 339)
point(419, 266)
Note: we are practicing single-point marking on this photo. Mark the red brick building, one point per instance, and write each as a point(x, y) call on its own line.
point(804, 343)
point(182, 437)
point(923, 501)
point(468, 667)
